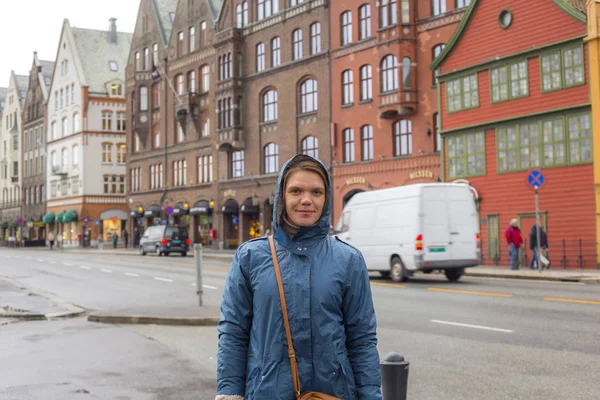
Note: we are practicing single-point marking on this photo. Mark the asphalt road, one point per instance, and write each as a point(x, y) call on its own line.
point(475, 339)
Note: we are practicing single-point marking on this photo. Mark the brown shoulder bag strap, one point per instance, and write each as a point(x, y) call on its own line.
point(286, 322)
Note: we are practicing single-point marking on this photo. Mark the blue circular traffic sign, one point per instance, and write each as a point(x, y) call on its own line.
point(535, 178)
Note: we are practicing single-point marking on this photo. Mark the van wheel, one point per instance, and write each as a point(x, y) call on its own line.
point(158, 252)
point(142, 251)
point(385, 274)
point(454, 274)
point(184, 254)
point(398, 272)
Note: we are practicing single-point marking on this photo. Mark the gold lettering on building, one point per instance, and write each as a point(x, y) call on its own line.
point(356, 181)
point(421, 174)
point(229, 193)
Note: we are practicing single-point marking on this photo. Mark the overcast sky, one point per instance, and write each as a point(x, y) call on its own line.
point(34, 25)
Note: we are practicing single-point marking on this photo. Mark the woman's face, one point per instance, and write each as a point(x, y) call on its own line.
point(304, 198)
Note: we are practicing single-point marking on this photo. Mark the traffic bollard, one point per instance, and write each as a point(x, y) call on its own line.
point(394, 377)
point(198, 259)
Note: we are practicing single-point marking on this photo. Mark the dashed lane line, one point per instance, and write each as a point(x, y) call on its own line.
point(68, 264)
point(84, 267)
point(108, 271)
point(487, 328)
point(388, 284)
point(163, 279)
point(596, 303)
point(433, 289)
point(209, 287)
point(130, 274)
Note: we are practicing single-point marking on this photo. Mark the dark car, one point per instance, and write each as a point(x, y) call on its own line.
point(165, 239)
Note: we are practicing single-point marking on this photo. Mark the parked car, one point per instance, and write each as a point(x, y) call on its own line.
point(165, 239)
point(423, 227)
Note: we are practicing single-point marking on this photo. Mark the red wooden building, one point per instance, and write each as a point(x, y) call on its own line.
point(514, 96)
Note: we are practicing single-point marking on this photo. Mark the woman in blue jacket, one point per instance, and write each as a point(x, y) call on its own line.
point(328, 298)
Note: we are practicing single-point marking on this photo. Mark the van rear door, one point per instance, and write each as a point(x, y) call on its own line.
point(463, 223)
point(436, 235)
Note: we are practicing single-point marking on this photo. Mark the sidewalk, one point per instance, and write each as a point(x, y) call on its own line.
point(556, 275)
point(120, 251)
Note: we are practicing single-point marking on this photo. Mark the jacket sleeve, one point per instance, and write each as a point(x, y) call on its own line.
point(234, 330)
point(361, 331)
point(507, 235)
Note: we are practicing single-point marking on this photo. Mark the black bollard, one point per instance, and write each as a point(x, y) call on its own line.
point(394, 377)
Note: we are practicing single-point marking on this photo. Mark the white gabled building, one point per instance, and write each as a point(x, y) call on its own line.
point(10, 156)
point(86, 139)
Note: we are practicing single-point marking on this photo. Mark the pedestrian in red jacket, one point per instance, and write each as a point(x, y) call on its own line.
point(514, 241)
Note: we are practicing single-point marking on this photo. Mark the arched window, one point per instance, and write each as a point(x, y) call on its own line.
point(366, 82)
point(297, 44)
point(347, 87)
point(76, 123)
point(348, 138)
point(366, 137)
point(143, 98)
point(180, 84)
point(53, 160)
point(269, 100)
point(346, 24)
point(365, 21)
point(406, 73)
point(271, 158)
point(191, 81)
point(64, 157)
point(389, 74)
point(308, 94)
point(260, 57)
point(315, 38)
point(310, 146)
point(75, 155)
point(205, 70)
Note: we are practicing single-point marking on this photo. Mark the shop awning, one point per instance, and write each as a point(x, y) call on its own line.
point(230, 207)
point(49, 218)
point(113, 214)
point(3, 224)
point(12, 223)
point(181, 209)
point(136, 213)
point(152, 212)
point(201, 207)
point(69, 216)
point(59, 217)
point(248, 207)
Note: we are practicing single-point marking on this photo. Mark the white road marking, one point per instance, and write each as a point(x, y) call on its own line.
point(84, 267)
point(52, 262)
point(68, 265)
point(193, 284)
point(39, 259)
point(163, 279)
point(130, 274)
point(108, 271)
point(209, 287)
point(472, 326)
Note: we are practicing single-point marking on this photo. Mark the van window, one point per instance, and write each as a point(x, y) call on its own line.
point(176, 232)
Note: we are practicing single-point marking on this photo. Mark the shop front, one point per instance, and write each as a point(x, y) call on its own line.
point(70, 228)
point(152, 215)
point(49, 221)
point(251, 219)
point(113, 221)
point(181, 214)
point(202, 218)
point(231, 224)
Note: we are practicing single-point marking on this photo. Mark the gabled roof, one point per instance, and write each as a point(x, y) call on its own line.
point(3, 93)
point(163, 9)
point(95, 51)
point(47, 68)
point(575, 8)
point(22, 84)
point(216, 6)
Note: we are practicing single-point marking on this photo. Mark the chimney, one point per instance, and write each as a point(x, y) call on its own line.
point(112, 31)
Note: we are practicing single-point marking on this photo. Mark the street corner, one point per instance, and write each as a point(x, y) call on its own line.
point(181, 316)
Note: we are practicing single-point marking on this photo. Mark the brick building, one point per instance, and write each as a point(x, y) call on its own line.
point(515, 96)
point(33, 149)
point(384, 97)
point(247, 89)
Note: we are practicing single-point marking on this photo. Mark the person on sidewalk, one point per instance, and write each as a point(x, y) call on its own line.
point(126, 237)
point(514, 241)
point(136, 237)
point(329, 305)
point(59, 240)
point(535, 259)
point(100, 242)
point(115, 240)
point(51, 240)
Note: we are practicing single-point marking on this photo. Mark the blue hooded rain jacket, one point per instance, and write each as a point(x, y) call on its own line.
point(331, 314)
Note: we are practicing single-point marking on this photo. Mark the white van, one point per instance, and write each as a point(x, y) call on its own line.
point(423, 227)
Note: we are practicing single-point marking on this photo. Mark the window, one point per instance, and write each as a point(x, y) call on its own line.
point(143, 98)
point(121, 121)
point(308, 92)
point(275, 52)
point(63, 130)
point(180, 37)
point(180, 173)
point(138, 61)
point(180, 84)
point(67, 95)
point(509, 82)
point(180, 135)
point(346, 23)
point(389, 74)
point(205, 70)
point(75, 155)
point(271, 158)
point(237, 164)
point(72, 94)
point(107, 120)
point(366, 83)
point(203, 35)
point(562, 69)
point(192, 42)
point(462, 93)
point(270, 106)
point(266, 8)
point(466, 155)
point(405, 11)
point(155, 95)
point(191, 77)
point(107, 153)
point(62, 97)
point(155, 53)
point(348, 145)
point(115, 90)
point(438, 7)
point(366, 136)
point(53, 160)
point(295, 2)
point(122, 184)
point(347, 87)
point(297, 35)
point(225, 66)
point(310, 146)
point(135, 178)
point(462, 3)
point(121, 153)
point(365, 21)
point(388, 13)
point(136, 143)
point(406, 73)
point(315, 38)
point(156, 176)
point(146, 59)
point(53, 131)
point(402, 138)
point(242, 14)
point(260, 57)
point(437, 50)
point(156, 141)
point(225, 112)
point(205, 169)
point(436, 132)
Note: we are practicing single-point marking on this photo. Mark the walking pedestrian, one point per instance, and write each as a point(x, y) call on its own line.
point(126, 237)
point(322, 338)
point(59, 240)
point(115, 240)
point(535, 259)
point(100, 241)
point(51, 239)
point(136, 237)
point(514, 241)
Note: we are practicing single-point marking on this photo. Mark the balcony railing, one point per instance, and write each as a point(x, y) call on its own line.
point(59, 170)
point(398, 103)
point(231, 138)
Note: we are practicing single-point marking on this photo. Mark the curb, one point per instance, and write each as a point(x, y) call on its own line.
point(145, 320)
point(24, 316)
point(575, 279)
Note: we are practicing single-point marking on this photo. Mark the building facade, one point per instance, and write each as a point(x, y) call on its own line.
point(384, 97)
point(86, 140)
point(518, 102)
point(10, 158)
point(33, 151)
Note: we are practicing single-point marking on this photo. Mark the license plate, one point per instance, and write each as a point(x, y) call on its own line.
point(437, 249)
point(176, 241)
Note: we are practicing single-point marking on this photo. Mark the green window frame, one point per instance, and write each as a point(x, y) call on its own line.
point(562, 68)
point(510, 81)
point(462, 93)
point(466, 155)
point(553, 136)
point(507, 148)
point(493, 237)
point(580, 138)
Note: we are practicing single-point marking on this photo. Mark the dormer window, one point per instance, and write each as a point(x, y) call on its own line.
point(114, 67)
point(116, 89)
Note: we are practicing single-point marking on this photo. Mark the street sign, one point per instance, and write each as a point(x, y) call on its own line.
point(535, 178)
point(97, 223)
point(169, 210)
point(86, 220)
point(157, 222)
point(139, 222)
